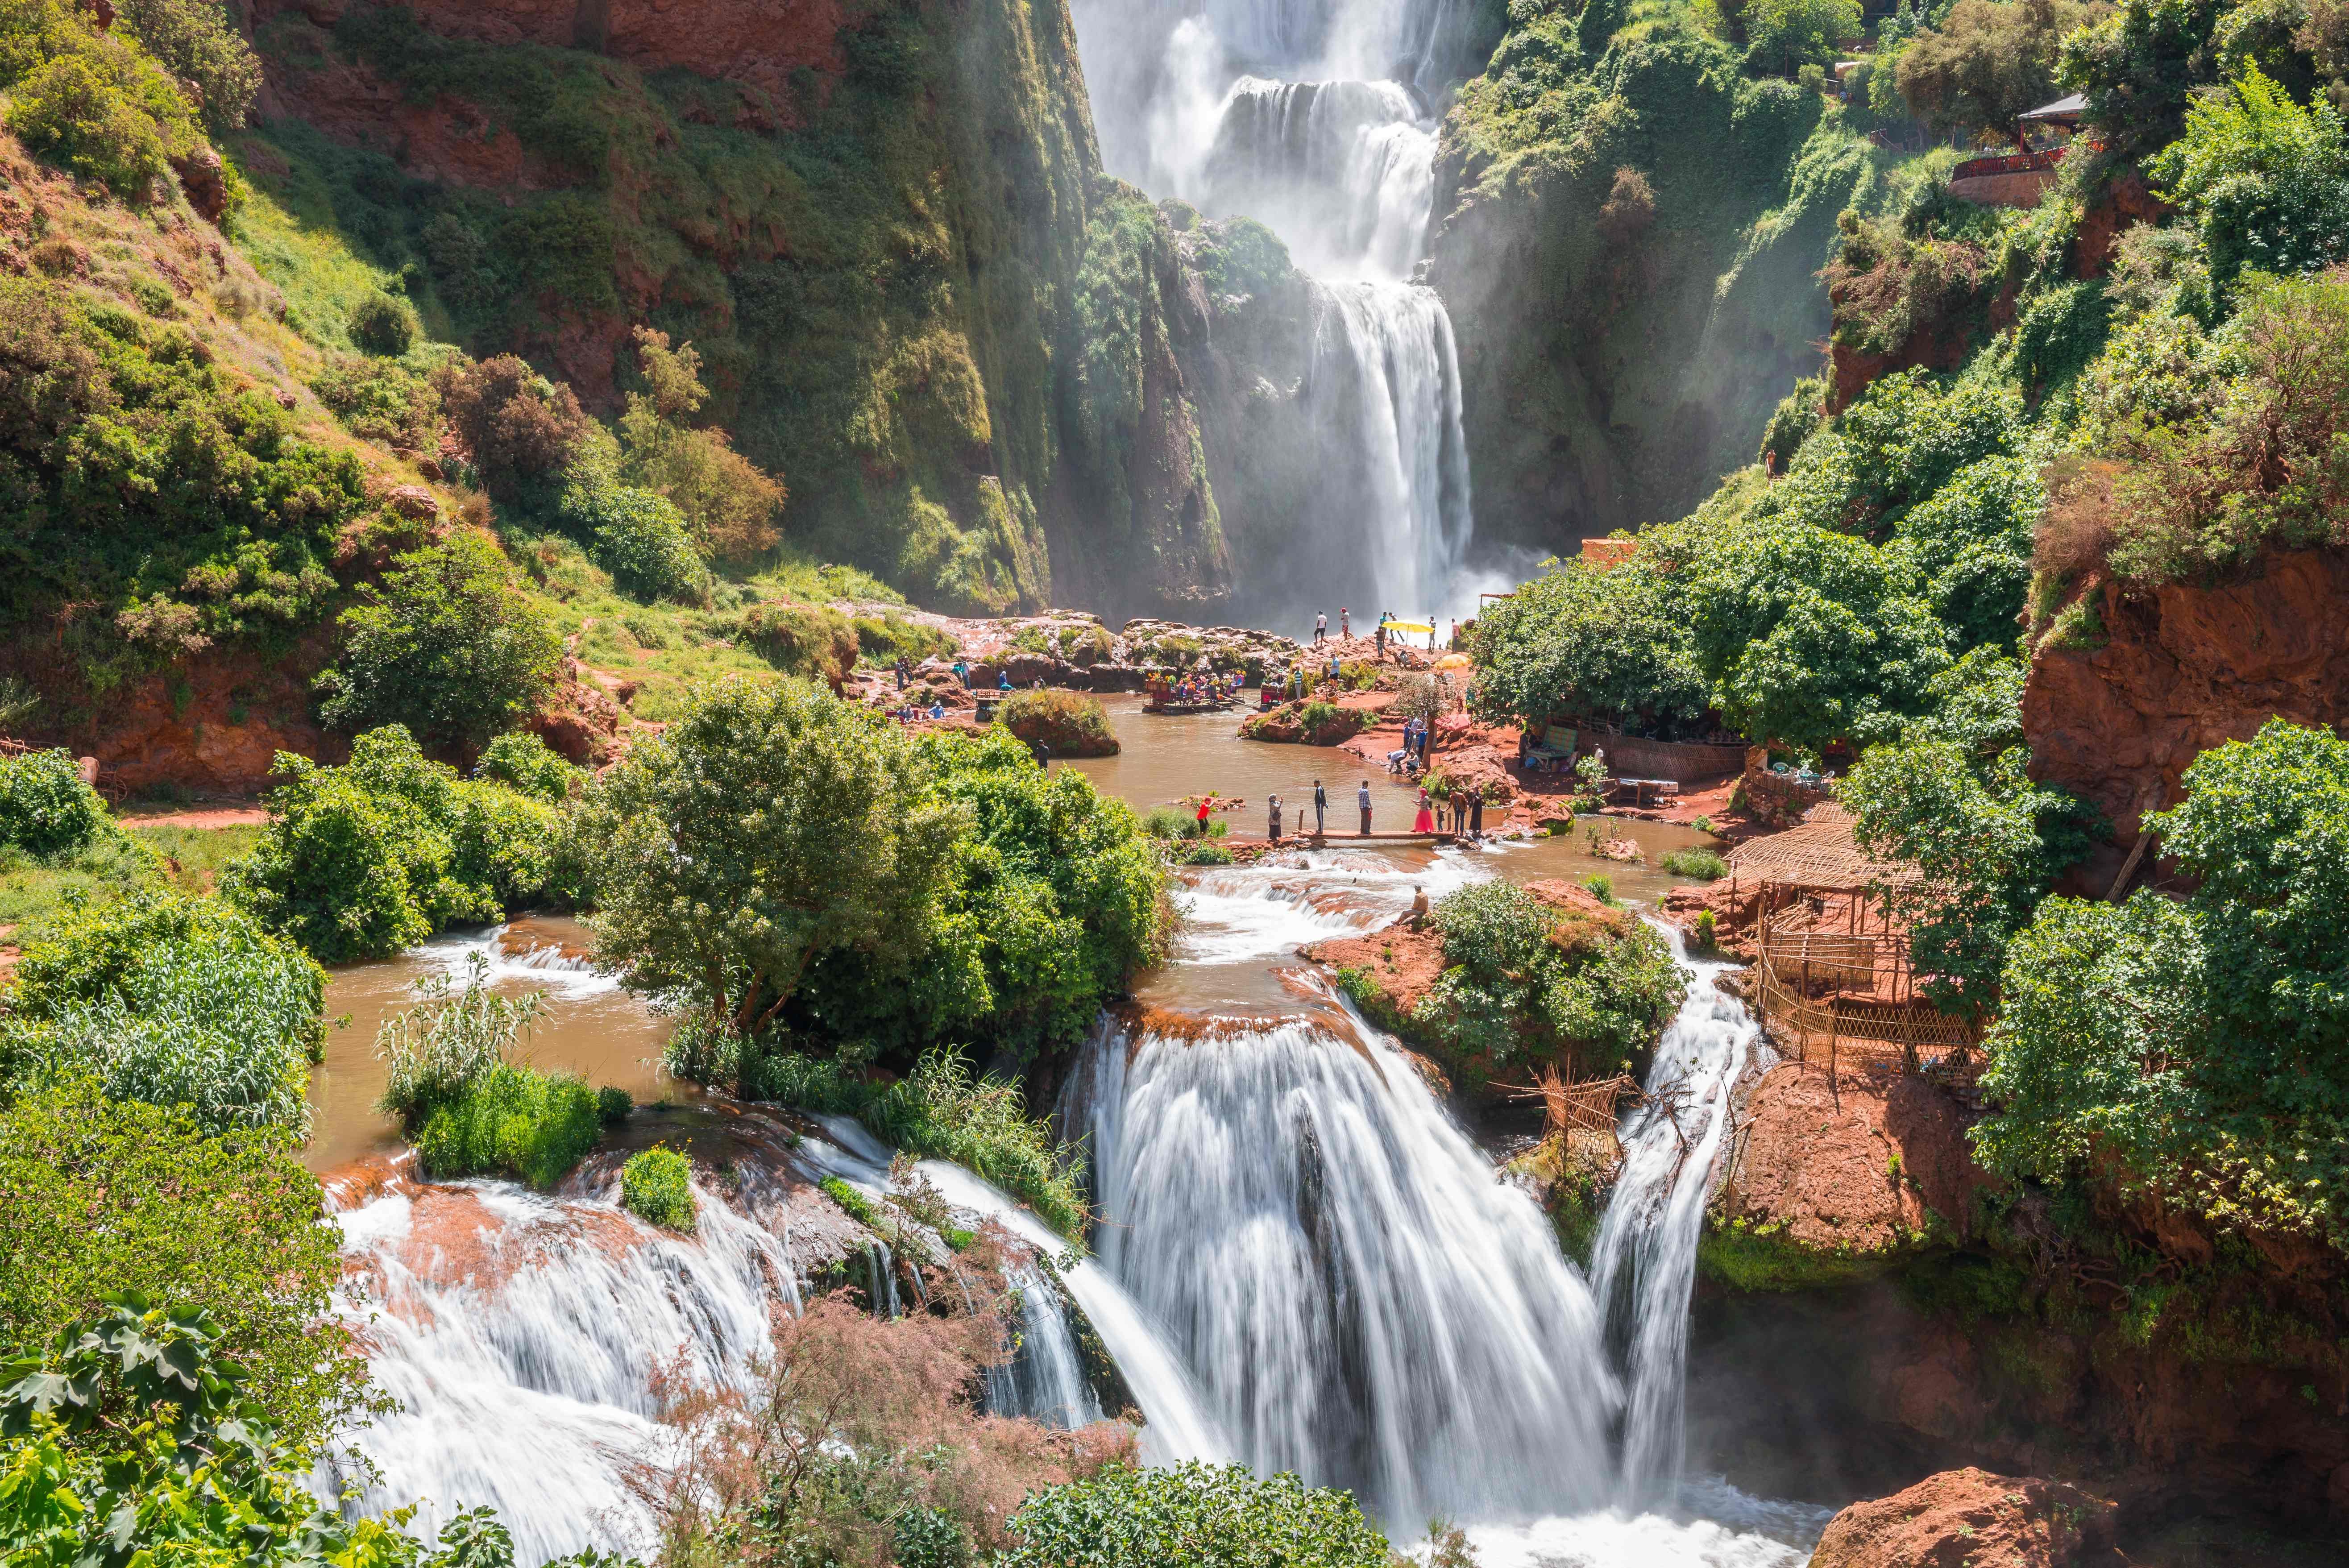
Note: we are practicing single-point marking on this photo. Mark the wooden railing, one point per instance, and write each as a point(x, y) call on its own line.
point(1885, 1026)
point(2006, 163)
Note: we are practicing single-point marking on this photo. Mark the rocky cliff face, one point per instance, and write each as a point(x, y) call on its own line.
point(2168, 672)
point(882, 223)
point(1627, 239)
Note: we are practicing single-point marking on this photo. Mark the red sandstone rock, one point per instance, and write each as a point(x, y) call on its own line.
point(2183, 669)
point(200, 178)
point(414, 502)
point(1856, 1164)
point(579, 720)
point(1972, 1519)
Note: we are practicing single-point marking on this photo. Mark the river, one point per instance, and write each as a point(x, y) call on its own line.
point(1307, 1263)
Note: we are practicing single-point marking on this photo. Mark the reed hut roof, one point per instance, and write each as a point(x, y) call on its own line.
point(1819, 853)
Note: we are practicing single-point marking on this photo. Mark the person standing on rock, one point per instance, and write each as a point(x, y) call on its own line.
point(1476, 816)
point(1362, 798)
point(1345, 622)
point(1459, 812)
point(1320, 625)
point(901, 672)
point(1382, 638)
point(1320, 809)
point(1275, 834)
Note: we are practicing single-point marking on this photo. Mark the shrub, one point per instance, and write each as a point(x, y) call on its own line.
point(522, 429)
point(361, 860)
point(1697, 866)
point(45, 810)
point(1224, 1516)
point(96, 104)
point(383, 325)
point(196, 43)
point(884, 639)
point(382, 400)
point(657, 1185)
point(449, 1043)
point(175, 1001)
point(1072, 724)
point(1601, 886)
point(99, 1195)
point(1166, 823)
point(516, 1122)
point(1988, 61)
point(1705, 933)
point(1207, 853)
point(637, 537)
point(731, 508)
point(2265, 178)
point(528, 766)
point(612, 1105)
point(1579, 639)
point(450, 645)
point(1785, 33)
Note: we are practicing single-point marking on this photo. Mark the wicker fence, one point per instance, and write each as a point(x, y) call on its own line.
point(1845, 1002)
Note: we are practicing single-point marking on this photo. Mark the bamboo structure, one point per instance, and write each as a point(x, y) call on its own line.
point(1844, 1001)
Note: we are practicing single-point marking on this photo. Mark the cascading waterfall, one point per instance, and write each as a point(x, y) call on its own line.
point(1311, 117)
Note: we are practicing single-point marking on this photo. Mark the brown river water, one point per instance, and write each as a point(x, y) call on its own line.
point(609, 1036)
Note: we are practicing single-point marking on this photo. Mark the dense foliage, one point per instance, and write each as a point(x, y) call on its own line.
point(45, 810)
point(2196, 1047)
point(1525, 981)
point(1988, 61)
point(98, 1195)
point(1215, 1516)
point(1068, 723)
point(448, 646)
point(176, 1001)
point(94, 102)
point(1588, 641)
point(657, 1185)
point(361, 860)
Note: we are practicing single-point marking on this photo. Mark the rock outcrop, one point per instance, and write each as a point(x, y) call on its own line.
point(1859, 1164)
point(1969, 1517)
point(2182, 668)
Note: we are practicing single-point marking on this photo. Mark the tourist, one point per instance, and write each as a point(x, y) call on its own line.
point(1362, 798)
point(1419, 910)
point(1382, 638)
point(1345, 622)
point(1425, 821)
point(937, 708)
point(901, 672)
point(1041, 753)
point(1003, 678)
point(1459, 812)
point(1321, 625)
point(1321, 807)
point(1275, 820)
point(962, 673)
point(1476, 816)
point(1203, 813)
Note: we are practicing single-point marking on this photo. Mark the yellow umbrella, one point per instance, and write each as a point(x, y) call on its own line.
point(1409, 626)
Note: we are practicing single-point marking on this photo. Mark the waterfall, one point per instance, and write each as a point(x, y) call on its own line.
point(1644, 1262)
point(1366, 1305)
point(1311, 118)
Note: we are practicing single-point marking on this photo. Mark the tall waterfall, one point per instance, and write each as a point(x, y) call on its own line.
point(1310, 116)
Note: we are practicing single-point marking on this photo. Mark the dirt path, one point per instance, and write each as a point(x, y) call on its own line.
point(201, 817)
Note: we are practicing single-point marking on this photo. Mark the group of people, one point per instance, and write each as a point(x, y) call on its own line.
point(1200, 686)
point(1466, 807)
point(914, 712)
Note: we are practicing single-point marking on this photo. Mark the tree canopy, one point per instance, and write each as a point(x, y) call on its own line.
point(1583, 639)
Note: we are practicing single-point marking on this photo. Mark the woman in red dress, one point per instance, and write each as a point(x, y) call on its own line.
point(1425, 821)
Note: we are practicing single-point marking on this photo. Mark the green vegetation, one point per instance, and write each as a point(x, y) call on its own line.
point(1070, 723)
point(657, 1185)
point(1589, 642)
point(155, 859)
point(195, 41)
point(1987, 61)
point(464, 1099)
point(361, 860)
point(1746, 1256)
point(1527, 982)
point(1696, 865)
point(530, 767)
point(45, 810)
point(231, 1225)
point(95, 103)
point(172, 1000)
point(1222, 1516)
point(449, 646)
point(2189, 1046)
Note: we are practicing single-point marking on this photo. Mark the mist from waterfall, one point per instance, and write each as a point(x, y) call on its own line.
point(1313, 118)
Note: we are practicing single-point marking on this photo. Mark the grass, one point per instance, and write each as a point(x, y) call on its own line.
point(1745, 1256)
point(513, 1121)
point(30, 892)
point(1696, 865)
point(657, 1185)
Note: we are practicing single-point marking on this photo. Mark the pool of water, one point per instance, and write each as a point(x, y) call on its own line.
point(591, 1026)
point(1169, 756)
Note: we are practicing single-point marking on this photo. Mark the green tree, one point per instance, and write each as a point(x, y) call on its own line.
point(1784, 33)
point(99, 1195)
point(1588, 641)
point(361, 860)
point(196, 41)
point(2138, 69)
point(2265, 178)
point(771, 824)
point(1206, 1516)
point(733, 508)
point(174, 1000)
point(45, 810)
point(450, 645)
point(96, 104)
point(2199, 1050)
point(1989, 61)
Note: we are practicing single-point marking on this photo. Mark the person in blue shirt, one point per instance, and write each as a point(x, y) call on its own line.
point(1003, 678)
point(937, 708)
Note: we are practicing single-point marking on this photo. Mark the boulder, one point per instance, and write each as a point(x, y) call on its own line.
point(207, 188)
point(1963, 1518)
point(414, 502)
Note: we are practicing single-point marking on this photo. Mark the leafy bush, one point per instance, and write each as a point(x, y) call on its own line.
point(1697, 866)
point(1784, 33)
point(383, 325)
point(1988, 61)
point(45, 810)
point(175, 1001)
point(732, 508)
point(382, 400)
point(636, 536)
point(884, 639)
point(516, 1122)
point(2191, 1050)
point(529, 766)
point(2266, 179)
point(450, 645)
point(612, 1105)
point(1166, 823)
point(1051, 898)
point(1601, 886)
point(361, 860)
point(657, 1185)
point(1525, 981)
point(1224, 1516)
point(195, 41)
point(449, 1043)
point(1583, 640)
point(522, 429)
point(1207, 853)
point(96, 104)
point(99, 1195)
point(1072, 724)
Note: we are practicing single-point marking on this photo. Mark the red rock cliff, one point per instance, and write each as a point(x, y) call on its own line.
point(2183, 669)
